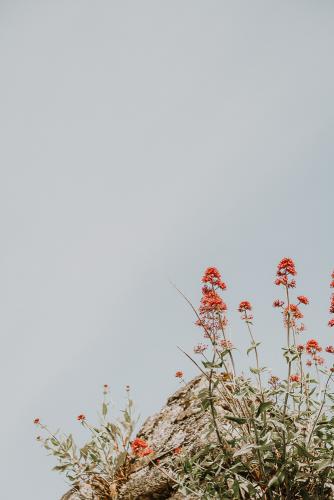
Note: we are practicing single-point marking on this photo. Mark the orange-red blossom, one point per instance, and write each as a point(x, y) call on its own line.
point(140, 448)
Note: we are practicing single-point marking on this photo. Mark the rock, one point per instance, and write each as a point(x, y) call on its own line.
point(180, 424)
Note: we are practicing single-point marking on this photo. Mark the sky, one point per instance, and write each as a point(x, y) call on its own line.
point(142, 142)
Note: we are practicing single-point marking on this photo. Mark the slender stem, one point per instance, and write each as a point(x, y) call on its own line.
point(256, 353)
point(320, 409)
point(289, 361)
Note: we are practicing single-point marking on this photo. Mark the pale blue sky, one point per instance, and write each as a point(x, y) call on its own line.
point(142, 142)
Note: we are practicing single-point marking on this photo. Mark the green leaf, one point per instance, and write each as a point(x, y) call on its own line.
point(238, 420)
point(253, 346)
point(208, 364)
point(264, 406)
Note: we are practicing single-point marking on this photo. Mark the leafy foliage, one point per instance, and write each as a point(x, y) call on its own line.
point(267, 440)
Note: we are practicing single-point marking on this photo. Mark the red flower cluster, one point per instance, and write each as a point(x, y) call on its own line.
point(286, 268)
point(303, 300)
point(140, 448)
point(332, 282)
point(330, 349)
point(331, 307)
point(244, 306)
point(294, 378)
point(212, 307)
point(295, 311)
point(300, 348)
point(179, 374)
point(312, 346)
point(37, 421)
point(213, 277)
point(284, 281)
point(226, 344)
point(81, 418)
point(211, 301)
point(301, 328)
point(200, 348)
point(278, 303)
point(318, 360)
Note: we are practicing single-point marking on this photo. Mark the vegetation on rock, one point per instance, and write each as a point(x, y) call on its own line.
point(260, 437)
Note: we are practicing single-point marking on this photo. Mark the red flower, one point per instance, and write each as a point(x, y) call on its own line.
point(309, 362)
point(294, 311)
point(81, 418)
point(177, 450)
point(318, 360)
point(331, 308)
point(331, 322)
point(144, 453)
point(285, 267)
point(141, 448)
point(294, 378)
point(332, 284)
point(332, 369)
point(226, 344)
point(300, 348)
point(301, 328)
point(330, 349)
point(303, 300)
point(200, 348)
point(284, 281)
point(179, 374)
point(105, 386)
point(211, 301)
point(37, 421)
point(312, 346)
point(212, 276)
point(245, 306)
point(278, 303)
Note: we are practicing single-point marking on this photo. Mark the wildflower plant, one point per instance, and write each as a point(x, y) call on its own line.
point(103, 460)
point(270, 439)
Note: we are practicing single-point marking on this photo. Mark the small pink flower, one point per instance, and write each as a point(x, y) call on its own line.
point(295, 378)
point(179, 374)
point(37, 421)
point(330, 349)
point(200, 348)
point(318, 360)
point(226, 344)
point(81, 417)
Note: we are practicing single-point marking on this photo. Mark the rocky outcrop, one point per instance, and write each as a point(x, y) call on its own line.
point(180, 424)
